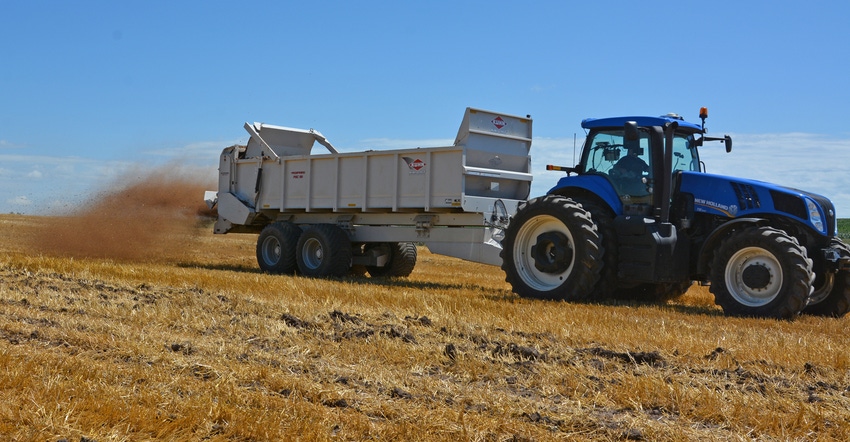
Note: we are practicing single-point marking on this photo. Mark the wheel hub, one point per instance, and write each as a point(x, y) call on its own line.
point(552, 252)
point(756, 276)
point(312, 253)
point(271, 250)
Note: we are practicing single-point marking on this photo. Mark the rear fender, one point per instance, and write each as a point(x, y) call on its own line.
point(713, 241)
point(592, 184)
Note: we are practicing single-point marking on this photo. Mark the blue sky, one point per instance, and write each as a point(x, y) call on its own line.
point(91, 91)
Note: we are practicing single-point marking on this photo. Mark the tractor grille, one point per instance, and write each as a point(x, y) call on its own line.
point(790, 204)
point(747, 197)
point(796, 206)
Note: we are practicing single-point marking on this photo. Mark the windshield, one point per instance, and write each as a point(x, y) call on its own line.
point(685, 156)
point(628, 164)
point(607, 148)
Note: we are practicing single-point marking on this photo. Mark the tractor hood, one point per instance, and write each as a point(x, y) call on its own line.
point(735, 197)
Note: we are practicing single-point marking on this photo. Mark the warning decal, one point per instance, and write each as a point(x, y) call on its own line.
point(415, 165)
point(499, 122)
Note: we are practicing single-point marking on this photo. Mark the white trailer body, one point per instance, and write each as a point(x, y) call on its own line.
point(454, 199)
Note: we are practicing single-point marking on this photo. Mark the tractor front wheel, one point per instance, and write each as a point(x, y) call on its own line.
point(761, 272)
point(552, 250)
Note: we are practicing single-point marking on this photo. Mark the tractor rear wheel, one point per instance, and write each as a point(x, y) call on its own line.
point(324, 250)
point(401, 263)
point(761, 272)
point(552, 250)
point(836, 302)
point(276, 247)
point(603, 219)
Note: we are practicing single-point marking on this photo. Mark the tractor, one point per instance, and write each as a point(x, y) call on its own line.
point(639, 218)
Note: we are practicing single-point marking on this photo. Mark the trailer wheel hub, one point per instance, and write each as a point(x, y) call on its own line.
point(312, 253)
point(552, 252)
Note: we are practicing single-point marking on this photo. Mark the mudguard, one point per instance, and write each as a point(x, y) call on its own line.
point(594, 184)
point(713, 241)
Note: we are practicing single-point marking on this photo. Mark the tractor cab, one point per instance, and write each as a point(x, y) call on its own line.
point(628, 153)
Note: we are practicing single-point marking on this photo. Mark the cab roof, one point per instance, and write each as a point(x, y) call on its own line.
point(592, 123)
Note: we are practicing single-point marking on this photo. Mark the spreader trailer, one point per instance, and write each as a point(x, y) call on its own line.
point(327, 214)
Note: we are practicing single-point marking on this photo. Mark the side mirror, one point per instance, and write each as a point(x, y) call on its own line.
point(727, 140)
point(631, 131)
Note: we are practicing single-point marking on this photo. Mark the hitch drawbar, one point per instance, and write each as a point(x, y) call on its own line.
point(833, 255)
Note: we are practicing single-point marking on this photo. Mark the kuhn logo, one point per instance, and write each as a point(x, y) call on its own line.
point(498, 122)
point(415, 165)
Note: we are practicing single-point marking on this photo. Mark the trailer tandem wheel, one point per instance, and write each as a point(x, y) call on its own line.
point(401, 263)
point(323, 250)
point(276, 247)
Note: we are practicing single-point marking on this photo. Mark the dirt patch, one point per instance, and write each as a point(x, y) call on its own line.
point(149, 217)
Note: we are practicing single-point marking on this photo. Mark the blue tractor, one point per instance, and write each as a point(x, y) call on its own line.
point(639, 218)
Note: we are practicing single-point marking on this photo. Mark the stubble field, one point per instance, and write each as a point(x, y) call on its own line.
point(132, 321)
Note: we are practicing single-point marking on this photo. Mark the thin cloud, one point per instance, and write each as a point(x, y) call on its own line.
point(202, 152)
point(59, 168)
point(396, 143)
point(20, 200)
point(5, 144)
point(65, 180)
point(810, 162)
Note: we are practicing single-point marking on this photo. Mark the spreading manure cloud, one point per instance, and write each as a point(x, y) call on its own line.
point(153, 216)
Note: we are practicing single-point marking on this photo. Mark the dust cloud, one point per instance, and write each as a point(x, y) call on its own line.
point(153, 216)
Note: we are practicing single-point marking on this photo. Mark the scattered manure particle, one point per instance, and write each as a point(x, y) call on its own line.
point(518, 351)
point(395, 332)
point(542, 419)
point(294, 322)
point(715, 353)
point(400, 394)
point(424, 320)
point(151, 216)
point(336, 403)
point(652, 358)
point(450, 351)
point(185, 348)
point(337, 315)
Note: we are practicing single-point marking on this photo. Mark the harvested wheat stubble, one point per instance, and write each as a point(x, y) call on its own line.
point(197, 344)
